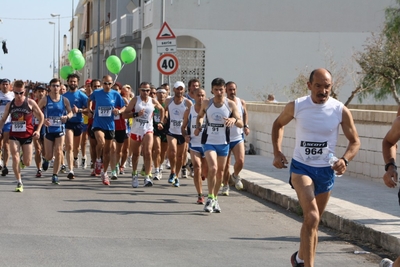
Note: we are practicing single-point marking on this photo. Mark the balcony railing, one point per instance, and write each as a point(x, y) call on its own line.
point(126, 24)
point(114, 29)
point(148, 14)
point(136, 20)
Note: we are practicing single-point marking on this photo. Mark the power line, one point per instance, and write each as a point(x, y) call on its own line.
point(4, 18)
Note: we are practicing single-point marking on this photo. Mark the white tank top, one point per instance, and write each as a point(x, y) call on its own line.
point(4, 99)
point(236, 133)
point(317, 129)
point(175, 113)
point(216, 132)
point(144, 123)
point(195, 141)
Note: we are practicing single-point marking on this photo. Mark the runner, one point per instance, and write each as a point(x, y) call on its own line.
point(74, 126)
point(40, 91)
point(95, 85)
point(141, 108)
point(176, 107)
point(196, 149)
point(6, 96)
point(57, 111)
point(21, 110)
point(107, 101)
point(236, 144)
point(221, 114)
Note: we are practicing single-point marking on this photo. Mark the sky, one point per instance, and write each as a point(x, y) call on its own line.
point(30, 38)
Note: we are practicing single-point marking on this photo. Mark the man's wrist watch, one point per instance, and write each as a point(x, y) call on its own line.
point(246, 126)
point(390, 164)
point(346, 162)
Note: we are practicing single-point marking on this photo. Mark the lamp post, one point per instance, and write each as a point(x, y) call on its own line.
point(59, 55)
point(54, 49)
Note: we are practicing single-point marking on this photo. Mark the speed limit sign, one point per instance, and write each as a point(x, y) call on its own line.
point(167, 64)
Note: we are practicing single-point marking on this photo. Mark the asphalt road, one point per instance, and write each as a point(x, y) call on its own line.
point(84, 223)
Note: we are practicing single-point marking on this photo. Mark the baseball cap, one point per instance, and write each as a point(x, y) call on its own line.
point(88, 81)
point(178, 84)
point(5, 80)
point(40, 87)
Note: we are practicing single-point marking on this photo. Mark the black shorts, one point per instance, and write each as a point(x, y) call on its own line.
point(180, 139)
point(108, 134)
point(22, 141)
point(90, 131)
point(52, 136)
point(120, 136)
point(74, 126)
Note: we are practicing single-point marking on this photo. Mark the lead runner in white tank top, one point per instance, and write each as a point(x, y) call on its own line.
point(143, 124)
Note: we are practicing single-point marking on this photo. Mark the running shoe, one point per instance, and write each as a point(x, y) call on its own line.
point(39, 173)
point(63, 169)
point(130, 161)
point(45, 165)
point(71, 175)
point(225, 190)
point(171, 178)
point(208, 207)
point(176, 182)
point(19, 188)
point(167, 165)
point(148, 182)
point(105, 179)
point(200, 200)
point(114, 175)
point(54, 179)
point(135, 180)
point(216, 207)
point(83, 163)
point(93, 173)
point(52, 163)
point(385, 263)
point(294, 262)
point(122, 170)
point(4, 171)
point(183, 173)
point(98, 167)
point(21, 163)
point(238, 181)
point(157, 176)
point(76, 164)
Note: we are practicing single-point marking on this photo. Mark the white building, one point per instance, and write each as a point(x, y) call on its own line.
point(260, 44)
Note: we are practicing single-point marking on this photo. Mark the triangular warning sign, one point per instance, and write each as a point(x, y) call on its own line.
point(165, 32)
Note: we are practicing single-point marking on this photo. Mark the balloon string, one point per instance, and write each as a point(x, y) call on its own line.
point(116, 75)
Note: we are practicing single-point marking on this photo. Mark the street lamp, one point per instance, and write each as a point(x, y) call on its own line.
point(54, 49)
point(59, 55)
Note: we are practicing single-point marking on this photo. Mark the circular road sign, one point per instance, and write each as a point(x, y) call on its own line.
point(167, 64)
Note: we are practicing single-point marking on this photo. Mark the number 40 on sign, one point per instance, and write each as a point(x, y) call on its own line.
point(167, 64)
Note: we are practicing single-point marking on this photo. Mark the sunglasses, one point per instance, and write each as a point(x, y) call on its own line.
point(19, 93)
point(106, 83)
point(145, 90)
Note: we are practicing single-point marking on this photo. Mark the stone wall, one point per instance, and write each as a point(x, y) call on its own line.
point(372, 126)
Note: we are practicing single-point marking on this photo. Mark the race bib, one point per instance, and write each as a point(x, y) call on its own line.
point(116, 117)
point(18, 126)
point(141, 122)
point(35, 121)
point(314, 150)
point(104, 111)
point(215, 129)
point(55, 121)
point(156, 117)
point(176, 123)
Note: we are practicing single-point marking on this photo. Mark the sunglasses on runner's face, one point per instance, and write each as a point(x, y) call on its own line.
point(19, 93)
point(145, 90)
point(106, 83)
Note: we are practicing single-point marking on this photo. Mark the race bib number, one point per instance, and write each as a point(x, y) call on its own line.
point(18, 126)
point(55, 121)
point(176, 123)
point(117, 117)
point(104, 111)
point(216, 129)
point(314, 150)
point(141, 122)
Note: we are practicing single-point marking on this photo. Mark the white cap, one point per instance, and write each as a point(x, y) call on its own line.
point(178, 84)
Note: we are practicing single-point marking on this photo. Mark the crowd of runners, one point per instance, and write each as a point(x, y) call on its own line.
point(185, 132)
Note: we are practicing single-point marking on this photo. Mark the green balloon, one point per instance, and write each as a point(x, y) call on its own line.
point(128, 54)
point(113, 64)
point(65, 71)
point(74, 52)
point(77, 62)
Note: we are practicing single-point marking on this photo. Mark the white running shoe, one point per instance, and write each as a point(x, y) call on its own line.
point(238, 182)
point(76, 164)
point(147, 182)
point(216, 207)
point(157, 176)
point(386, 263)
point(135, 181)
point(225, 190)
point(209, 206)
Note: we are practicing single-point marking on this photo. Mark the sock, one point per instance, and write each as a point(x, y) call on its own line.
point(20, 181)
point(200, 194)
point(211, 196)
point(298, 259)
point(157, 169)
